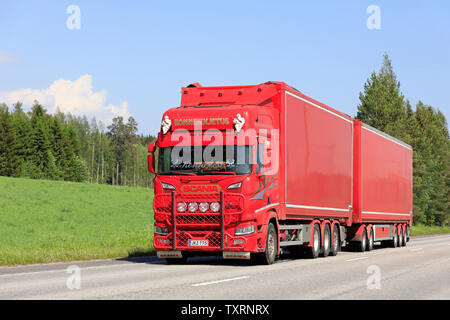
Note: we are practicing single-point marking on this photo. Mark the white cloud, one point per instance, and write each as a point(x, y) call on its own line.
point(76, 97)
point(7, 57)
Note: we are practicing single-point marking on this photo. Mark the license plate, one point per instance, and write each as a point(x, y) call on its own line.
point(198, 243)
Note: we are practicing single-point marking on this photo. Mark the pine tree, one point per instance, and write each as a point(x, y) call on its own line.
point(433, 151)
point(8, 156)
point(40, 142)
point(57, 141)
point(22, 129)
point(382, 104)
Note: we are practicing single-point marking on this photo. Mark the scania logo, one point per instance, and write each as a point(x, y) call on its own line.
point(200, 188)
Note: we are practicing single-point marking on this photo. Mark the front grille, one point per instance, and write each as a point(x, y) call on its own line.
point(200, 219)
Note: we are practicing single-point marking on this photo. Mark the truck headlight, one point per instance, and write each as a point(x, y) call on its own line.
point(167, 186)
point(214, 206)
point(161, 231)
point(245, 230)
point(192, 206)
point(235, 185)
point(203, 206)
point(181, 206)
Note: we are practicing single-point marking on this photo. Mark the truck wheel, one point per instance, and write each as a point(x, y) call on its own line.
point(407, 233)
point(370, 243)
point(361, 245)
point(403, 238)
point(336, 244)
point(314, 250)
point(269, 255)
point(326, 241)
point(400, 239)
point(394, 242)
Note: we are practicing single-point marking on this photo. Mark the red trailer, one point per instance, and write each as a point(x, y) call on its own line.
point(247, 171)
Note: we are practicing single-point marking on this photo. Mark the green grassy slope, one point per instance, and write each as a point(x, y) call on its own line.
point(421, 230)
point(46, 221)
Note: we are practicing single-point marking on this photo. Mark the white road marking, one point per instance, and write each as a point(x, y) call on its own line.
point(219, 281)
point(360, 258)
point(416, 249)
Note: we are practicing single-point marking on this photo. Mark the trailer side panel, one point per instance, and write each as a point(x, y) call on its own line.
point(318, 160)
point(386, 178)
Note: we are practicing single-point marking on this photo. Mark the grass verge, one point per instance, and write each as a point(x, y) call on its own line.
point(47, 221)
point(422, 230)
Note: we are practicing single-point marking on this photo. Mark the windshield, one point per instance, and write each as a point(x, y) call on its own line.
point(205, 160)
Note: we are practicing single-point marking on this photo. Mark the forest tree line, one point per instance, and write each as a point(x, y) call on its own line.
point(39, 145)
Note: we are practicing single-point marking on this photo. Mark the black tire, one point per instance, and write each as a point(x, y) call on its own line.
point(371, 241)
point(403, 238)
point(336, 243)
point(182, 260)
point(394, 242)
point(270, 254)
point(362, 245)
point(313, 251)
point(398, 239)
point(408, 234)
point(326, 241)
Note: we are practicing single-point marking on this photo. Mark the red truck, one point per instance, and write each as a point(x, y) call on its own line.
point(248, 171)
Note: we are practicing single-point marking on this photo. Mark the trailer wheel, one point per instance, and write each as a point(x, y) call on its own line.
point(407, 233)
point(314, 250)
point(371, 241)
point(394, 242)
point(403, 238)
point(269, 255)
point(399, 240)
point(336, 244)
point(326, 241)
point(362, 245)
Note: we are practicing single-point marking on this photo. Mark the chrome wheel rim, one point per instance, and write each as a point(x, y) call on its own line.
point(271, 245)
point(326, 242)
point(335, 241)
point(316, 240)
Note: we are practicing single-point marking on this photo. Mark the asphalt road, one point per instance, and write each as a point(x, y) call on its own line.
point(421, 270)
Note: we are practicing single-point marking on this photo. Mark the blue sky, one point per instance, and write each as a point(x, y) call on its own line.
point(137, 54)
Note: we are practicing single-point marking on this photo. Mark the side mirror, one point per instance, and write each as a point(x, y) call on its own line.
point(150, 157)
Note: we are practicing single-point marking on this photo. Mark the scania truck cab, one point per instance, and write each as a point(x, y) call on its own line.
point(216, 174)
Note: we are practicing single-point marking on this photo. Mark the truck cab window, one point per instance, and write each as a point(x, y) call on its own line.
point(259, 158)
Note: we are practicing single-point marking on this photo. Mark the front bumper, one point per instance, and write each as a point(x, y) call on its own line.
point(216, 228)
point(225, 255)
